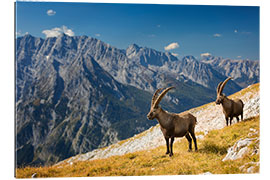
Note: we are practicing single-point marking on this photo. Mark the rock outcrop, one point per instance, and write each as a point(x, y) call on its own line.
point(240, 148)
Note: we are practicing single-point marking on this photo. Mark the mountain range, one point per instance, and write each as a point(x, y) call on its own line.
point(76, 94)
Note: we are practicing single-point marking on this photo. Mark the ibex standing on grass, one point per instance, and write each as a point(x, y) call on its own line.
point(231, 108)
point(172, 125)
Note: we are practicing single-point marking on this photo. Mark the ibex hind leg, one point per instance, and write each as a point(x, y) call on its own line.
point(171, 146)
point(237, 118)
point(227, 121)
point(194, 139)
point(231, 118)
point(189, 142)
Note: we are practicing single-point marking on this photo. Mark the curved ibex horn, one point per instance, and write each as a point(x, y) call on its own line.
point(223, 84)
point(161, 96)
point(155, 96)
point(218, 87)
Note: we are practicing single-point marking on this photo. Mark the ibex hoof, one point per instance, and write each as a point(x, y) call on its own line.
point(190, 150)
point(171, 154)
point(167, 152)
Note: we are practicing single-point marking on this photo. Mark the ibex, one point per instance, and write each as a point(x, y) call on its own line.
point(172, 125)
point(231, 108)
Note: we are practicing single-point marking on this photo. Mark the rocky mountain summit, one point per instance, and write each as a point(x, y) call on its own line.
point(77, 94)
point(245, 72)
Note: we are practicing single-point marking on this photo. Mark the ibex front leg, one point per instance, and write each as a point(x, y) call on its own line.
point(167, 144)
point(171, 144)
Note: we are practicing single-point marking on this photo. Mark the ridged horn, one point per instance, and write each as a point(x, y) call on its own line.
point(156, 103)
point(218, 87)
point(155, 96)
point(223, 85)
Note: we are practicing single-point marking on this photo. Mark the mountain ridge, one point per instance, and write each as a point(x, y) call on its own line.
point(125, 68)
point(245, 72)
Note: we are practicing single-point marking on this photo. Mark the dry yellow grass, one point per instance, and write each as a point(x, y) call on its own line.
point(212, 149)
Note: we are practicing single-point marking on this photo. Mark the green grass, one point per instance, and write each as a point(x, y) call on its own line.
point(212, 149)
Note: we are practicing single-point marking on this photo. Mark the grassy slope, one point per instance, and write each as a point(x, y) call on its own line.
point(212, 149)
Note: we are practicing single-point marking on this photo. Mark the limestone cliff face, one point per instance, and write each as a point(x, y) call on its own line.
point(66, 103)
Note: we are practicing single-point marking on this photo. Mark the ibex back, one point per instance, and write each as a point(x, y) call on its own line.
point(172, 125)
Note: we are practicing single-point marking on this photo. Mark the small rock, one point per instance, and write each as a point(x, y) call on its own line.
point(252, 134)
point(244, 142)
point(255, 152)
point(206, 173)
point(241, 153)
point(200, 136)
point(42, 101)
point(250, 169)
point(34, 175)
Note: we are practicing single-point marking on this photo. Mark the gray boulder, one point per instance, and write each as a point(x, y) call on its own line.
point(239, 149)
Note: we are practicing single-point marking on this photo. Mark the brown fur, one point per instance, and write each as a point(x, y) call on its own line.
point(171, 124)
point(231, 108)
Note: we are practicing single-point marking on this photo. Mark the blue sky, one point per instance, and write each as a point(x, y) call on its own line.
point(227, 31)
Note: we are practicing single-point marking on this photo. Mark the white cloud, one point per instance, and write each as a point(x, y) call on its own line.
point(205, 54)
point(217, 35)
point(235, 31)
point(171, 46)
point(98, 35)
point(57, 31)
point(51, 12)
point(239, 56)
point(20, 33)
point(175, 54)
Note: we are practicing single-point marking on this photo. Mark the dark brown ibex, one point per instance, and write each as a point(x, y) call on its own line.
point(231, 108)
point(172, 125)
